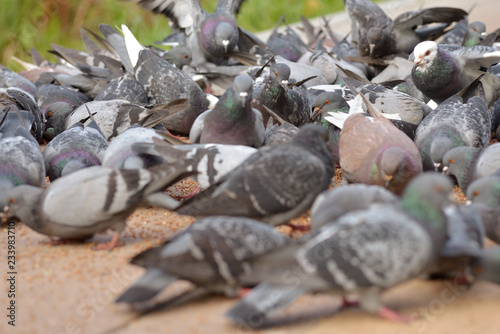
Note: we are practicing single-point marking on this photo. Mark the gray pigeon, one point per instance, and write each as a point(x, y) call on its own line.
point(378, 36)
point(212, 253)
point(274, 185)
point(232, 120)
point(467, 164)
point(325, 104)
point(211, 162)
point(280, 133)
point(484, 195)
point(75, 148)
point(48, 94)
point(464, 243)
point(21, 159)
point(89, 201)
point(115, 116)
point(443, 70)
point(374, 151)
point(120, 152)
point(210, 36)
point(17, 99)
point(453, 123)
point(292, 104)
point(332, 204)
point(164, 83)
point(125, 87)
point(10, 78)
point(363, 252)
point(486, 267)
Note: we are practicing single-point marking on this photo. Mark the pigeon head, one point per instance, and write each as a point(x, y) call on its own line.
point(485, 190)
point(423, 54)
point(439, 146)
point(315, 137)
point(397, 167)
point(424, 197)
point(280, 73)
point(458, 163)
point(329, 102)
point(376, 41)
point(219, 35)
point(19, 202)
point(243, 85)
point(57, 114)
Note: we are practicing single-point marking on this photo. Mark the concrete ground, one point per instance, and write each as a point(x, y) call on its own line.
point(71, 288)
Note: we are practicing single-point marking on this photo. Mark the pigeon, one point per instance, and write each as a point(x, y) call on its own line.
point(443, 70)
point(486, 267)
point(287, 44)
point(453, 123)
point(485, 197)
point(325, 104)
point(17, 99)
point(115, 116)
point(75, 148)
point(292, 105)
point(464, 243)
point(280, 133)
point(351, 255)
point(467, 164)
point(232, 120)
point(21, 159)
point(88, 201)
point(391, 102)
point(374, 151)
point(125, 87)
point(211, 162)
point(120, 152)
point(164, 83)
point(48, 94)
point(10, 79)
point(211, 37)
point(212, 253)
point(332, 204)
point(495, 120)
point(276, 184)
point(378, 36)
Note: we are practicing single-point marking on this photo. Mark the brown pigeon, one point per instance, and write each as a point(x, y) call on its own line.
point(374, 151)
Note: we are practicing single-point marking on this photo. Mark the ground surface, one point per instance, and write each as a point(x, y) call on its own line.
point(71, 288)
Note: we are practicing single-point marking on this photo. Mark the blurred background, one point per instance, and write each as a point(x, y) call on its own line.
point(38, 23)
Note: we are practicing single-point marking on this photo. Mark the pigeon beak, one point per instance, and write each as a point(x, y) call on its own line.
point(225, 43)
point(436, 166)
point(388, 179)
point(316, 112)
point(243, 96)
point(445, 170)
point(417, 60)
point(284, 83)
point(468, 202)
point(372, 46)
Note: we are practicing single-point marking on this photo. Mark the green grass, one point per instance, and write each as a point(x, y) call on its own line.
point(38, 23)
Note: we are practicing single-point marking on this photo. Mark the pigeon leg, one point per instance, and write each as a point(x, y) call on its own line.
point(115, 242)
point(387, 313)
point(348, 303)
point(243, 292)
point(174, 136)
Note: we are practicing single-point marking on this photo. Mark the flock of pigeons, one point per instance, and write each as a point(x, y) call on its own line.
point(405, 118)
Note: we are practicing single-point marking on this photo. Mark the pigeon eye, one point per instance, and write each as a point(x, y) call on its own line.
point(438, 188)
point(186, 56)
point(49, 114)
point(452, 161)
point(474, 29)
point(276, 73)
point(428, 52)
point(12, 200)
point(327, 102)
point(476, 193)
